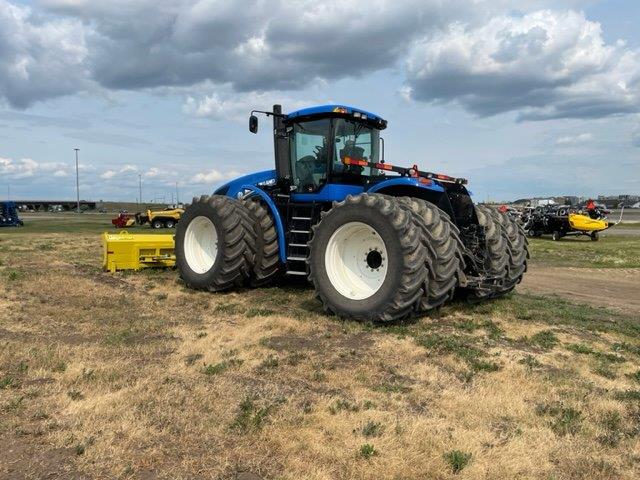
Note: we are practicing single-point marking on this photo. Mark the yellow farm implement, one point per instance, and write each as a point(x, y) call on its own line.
point(127, 251)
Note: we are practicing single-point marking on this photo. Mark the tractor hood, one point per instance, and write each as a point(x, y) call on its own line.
point(232, 188)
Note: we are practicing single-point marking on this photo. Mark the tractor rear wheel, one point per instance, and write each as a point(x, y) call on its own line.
point(517, 246)
point(215, 243)
point(444, 260)
point(266, 266)
point(367, 260)
point(497, 258)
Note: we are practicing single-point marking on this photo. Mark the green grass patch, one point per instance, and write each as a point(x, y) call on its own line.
point(627, 395)
point(367, 451)
point(457, 460)
point(7, 382)
point(545, 339)
point(372, 429)
point(462, 347)
point(609, 252)
point(635, 376)
point(530, 361)
point(218, 368)
point(565, 420)
point(342, 405)
point(555, 311)
point(250, 417)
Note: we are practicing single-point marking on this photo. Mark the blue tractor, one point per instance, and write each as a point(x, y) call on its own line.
point(378, 242)
point(9, 215)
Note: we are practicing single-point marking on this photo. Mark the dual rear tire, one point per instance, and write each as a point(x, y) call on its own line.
point(367, 260)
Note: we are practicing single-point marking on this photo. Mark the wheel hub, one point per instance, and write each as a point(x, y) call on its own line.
point(356, 260)
point(374, 259)
point(201, 244)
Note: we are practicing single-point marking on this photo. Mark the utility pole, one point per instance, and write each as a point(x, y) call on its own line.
point(177, 200)
point(140, 188)
point(77, 180)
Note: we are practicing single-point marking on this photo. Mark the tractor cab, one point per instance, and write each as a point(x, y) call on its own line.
point(321, 145)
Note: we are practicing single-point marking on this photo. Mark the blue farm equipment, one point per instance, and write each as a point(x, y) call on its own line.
point(9, 215)
point(377, 241)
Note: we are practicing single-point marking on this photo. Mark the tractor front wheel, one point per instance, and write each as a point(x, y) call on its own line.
point(367, 260)
point(215, 243)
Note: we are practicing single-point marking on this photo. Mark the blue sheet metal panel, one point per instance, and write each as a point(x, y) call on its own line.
point(332, 192)
point(323, 109)
point(232, 188)
point(405, 181)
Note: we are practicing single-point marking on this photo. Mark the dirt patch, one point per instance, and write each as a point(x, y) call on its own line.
point(21, 460)
point(612, 288)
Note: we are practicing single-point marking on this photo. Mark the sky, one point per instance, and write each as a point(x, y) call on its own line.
point(523, 98)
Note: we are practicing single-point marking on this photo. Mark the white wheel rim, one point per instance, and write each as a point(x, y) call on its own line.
point(201, 244)
point(356, 260)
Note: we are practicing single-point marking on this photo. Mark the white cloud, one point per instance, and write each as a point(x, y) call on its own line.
point(126, 169)
point(27, 167)
point(546, 64)
point(574, 139)
point(212, 176)
point(228, 105)
point(542, 64)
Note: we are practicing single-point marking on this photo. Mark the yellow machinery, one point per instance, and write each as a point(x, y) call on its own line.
point(126, 251)
point(160, 218)
point(585, 223)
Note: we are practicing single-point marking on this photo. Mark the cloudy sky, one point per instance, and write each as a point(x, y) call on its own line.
point(529, 97)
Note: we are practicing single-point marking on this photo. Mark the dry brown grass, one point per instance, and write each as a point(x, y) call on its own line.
point(131, 375)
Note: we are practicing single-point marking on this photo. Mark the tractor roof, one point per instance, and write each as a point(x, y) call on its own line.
point(340, 111)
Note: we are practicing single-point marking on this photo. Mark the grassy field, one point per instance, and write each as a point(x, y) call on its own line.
point(134, 376)
point(610, 252)
point(83, 223)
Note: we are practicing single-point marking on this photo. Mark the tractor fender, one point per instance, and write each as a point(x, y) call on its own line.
point(257, 191)
point(409, 182)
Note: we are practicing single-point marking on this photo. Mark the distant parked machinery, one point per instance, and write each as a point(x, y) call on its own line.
point(561, 221)
point(378, 242)
point(167, 218)
point(9, 215)
point(124, 220)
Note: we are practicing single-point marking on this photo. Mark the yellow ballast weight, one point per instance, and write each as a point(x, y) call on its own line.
point(586, 224)
point(127, 251)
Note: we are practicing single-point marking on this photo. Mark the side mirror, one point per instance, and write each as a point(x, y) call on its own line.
point(253, 124)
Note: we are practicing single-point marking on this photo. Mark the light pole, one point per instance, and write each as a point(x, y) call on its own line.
point(77, 181)
point(140, 188)
point(177, 200)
